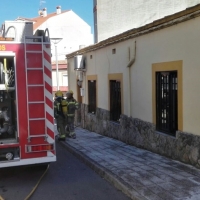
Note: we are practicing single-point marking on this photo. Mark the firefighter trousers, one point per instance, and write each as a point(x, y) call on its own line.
point(61, 122)
point(70, 126)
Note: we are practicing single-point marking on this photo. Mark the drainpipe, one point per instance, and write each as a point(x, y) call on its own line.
point(84, 111)
point(129, 79)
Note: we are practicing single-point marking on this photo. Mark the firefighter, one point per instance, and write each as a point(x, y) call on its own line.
point(60, 112)
point(72, 105)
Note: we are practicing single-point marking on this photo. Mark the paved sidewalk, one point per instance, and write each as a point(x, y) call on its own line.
point(138, 173)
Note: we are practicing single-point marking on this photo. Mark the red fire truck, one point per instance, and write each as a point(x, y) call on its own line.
point(26, 101)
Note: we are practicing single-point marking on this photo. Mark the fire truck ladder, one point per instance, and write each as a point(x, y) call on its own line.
point(34, 40)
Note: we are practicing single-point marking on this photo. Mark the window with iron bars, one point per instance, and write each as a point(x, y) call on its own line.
point(92, 96)
point(115, 100)
point(167, 102)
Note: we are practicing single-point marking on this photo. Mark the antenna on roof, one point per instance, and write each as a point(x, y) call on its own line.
point(41, 7)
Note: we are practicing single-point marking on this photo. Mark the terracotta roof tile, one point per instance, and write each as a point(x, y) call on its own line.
point(61, 67)
point(40, 20)
point(59, 62)
point(62, 88)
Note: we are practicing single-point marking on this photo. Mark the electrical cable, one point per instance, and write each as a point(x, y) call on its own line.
point(35, 187)
point(1, 198)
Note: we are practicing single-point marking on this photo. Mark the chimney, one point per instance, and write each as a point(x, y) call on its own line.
point(58, 10)
point(44, 12)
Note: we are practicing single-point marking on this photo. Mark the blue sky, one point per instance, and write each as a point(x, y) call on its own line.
point(12, 9)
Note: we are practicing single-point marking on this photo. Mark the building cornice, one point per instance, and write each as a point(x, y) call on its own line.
point(159, 24)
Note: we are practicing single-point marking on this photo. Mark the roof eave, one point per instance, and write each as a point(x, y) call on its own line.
point(165, 22)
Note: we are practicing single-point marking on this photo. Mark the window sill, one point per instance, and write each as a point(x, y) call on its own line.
point(165, 134)
point(91, 113)
point(115, 122)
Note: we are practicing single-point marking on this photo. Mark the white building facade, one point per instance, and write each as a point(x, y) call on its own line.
point(112, 17)
point(73, 30)
point(68, 32)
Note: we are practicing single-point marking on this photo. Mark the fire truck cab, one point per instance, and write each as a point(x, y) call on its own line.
point(26, 100)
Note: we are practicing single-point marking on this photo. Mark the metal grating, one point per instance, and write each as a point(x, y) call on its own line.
point(115, 100)
point(92, 96)
point(167, 102)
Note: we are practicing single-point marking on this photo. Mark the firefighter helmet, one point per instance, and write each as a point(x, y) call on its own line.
point(58, 94)
point(70, 92)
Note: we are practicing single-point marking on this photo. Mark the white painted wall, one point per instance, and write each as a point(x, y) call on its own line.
point(72, 79)
point(62, 78)
point(74, 31)
point(179, 42)
point(115, 16)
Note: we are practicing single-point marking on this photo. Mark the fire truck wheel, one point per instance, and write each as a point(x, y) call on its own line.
point(9, 156)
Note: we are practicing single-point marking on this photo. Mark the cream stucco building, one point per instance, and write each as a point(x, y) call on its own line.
point(142, 86)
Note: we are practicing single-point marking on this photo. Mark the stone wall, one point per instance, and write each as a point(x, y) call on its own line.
point(184, 147)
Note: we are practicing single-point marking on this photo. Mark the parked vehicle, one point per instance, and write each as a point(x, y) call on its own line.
point(26, 107)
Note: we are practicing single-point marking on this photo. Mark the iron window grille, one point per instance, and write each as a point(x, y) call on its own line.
point(115, 100)
point(167, 102)
point(92, 96)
